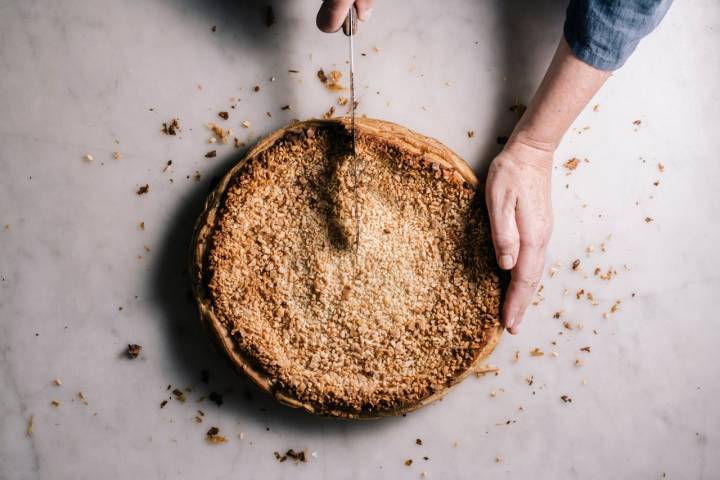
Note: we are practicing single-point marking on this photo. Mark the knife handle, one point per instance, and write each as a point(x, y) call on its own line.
point(350, 25)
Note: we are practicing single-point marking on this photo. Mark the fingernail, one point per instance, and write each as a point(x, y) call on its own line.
point(506, 262)
point(365, 14)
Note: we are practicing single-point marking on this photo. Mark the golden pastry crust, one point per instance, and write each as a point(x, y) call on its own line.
point(340, 328)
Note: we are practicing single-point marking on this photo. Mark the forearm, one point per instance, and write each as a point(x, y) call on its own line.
point(568, 86)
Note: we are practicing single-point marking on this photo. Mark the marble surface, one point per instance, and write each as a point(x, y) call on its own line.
point(80, 77)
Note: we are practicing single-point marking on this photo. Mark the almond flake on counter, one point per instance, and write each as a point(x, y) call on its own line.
point(246, 123)
point(133, 350)
point(536, 352)
point(572, 164)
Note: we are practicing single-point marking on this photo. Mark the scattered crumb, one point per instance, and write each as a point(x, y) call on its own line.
point(330, 113)
point(342, 101)
point(558, 314)
point(141, 225)
point(331, 80)
point(470, 134)
point(81, 396)
point(286, 107)
point(224, 115)
point(637, 122)
point(516, 357)
point(220, 133)
point(575, 264)
point(246, 123)
point(585, 349)
point(55, 403)
point(578, 362)
point(143, 189)
point(29, 430)
point(256, 88)
point(57, 382)
point(88, 157)
point(596, 107)
point(297, 456)
point(211, 154)
point(163, 403)
point(117, 155)
point(498, 459)
point(408, 462)
point(536, 352)
point(179, 395)
point(172, 127)
point(197, 176)
point(661, 167)
point(213, 436)
point(566, 399)
point(648, 219)
point(133, 350)
point(418, 441)
point(571, 164)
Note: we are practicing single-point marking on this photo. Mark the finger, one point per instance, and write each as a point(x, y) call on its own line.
point(332, 14)
point(364, 9)
point(523, 284)
point(505, 236)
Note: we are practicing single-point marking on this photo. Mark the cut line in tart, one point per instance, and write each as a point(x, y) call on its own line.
point(353, 301)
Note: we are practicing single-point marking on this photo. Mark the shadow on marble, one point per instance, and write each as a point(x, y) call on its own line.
point(525, 27)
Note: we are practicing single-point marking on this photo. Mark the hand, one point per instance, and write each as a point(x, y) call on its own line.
point(517, 193)
point(332, 13)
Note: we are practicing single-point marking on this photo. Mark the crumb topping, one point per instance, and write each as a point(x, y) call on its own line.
point(371, 328)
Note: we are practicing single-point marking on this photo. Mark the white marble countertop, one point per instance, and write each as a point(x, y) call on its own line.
point(78, 283)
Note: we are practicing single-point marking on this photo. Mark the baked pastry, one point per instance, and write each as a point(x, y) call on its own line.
point(348, 300)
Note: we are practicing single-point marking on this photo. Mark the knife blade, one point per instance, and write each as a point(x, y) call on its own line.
point(350, 30)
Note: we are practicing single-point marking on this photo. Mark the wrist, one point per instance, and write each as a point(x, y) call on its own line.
point(524, 139)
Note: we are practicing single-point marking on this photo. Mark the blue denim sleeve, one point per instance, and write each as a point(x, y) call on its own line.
point(604, 33)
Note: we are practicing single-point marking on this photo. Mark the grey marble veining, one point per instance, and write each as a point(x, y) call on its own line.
point(80, 77)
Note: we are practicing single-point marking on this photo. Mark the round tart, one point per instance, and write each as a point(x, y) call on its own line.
point(353, 300)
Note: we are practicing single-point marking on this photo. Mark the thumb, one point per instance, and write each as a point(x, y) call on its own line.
point(505, 235)
point(332, 14)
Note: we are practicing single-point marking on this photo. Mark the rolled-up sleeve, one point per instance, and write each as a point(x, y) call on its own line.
point(604, 33)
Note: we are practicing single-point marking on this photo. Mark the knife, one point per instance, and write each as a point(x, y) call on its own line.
point(350, 30)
